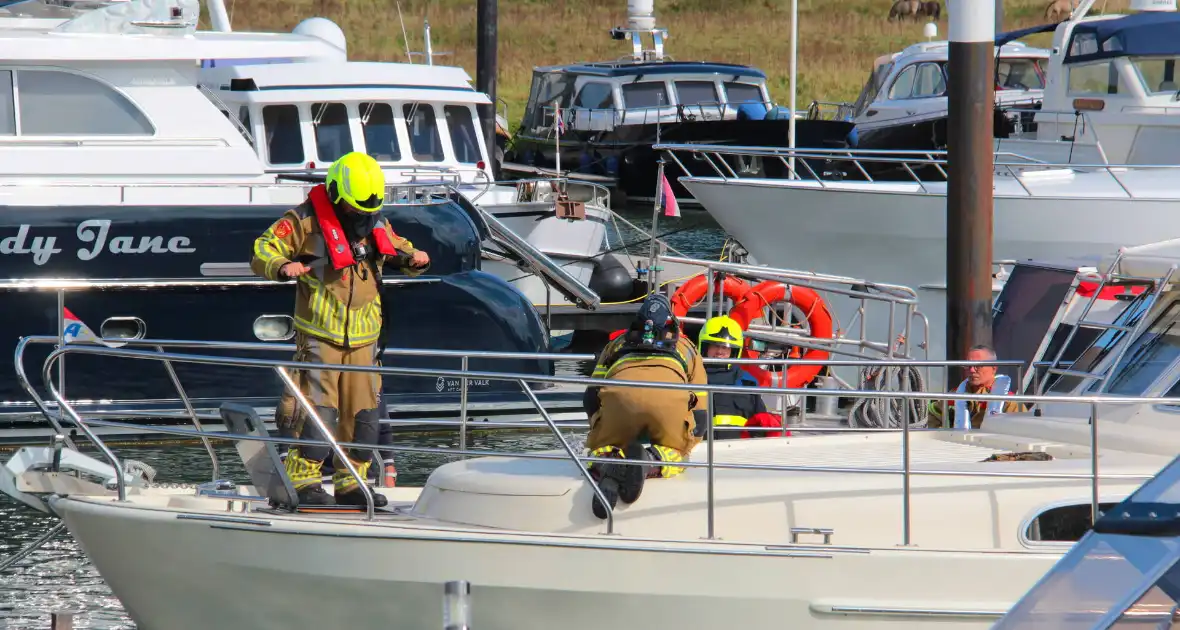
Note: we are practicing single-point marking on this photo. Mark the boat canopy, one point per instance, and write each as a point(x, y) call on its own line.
point(1011, 36)
point(1138, 35)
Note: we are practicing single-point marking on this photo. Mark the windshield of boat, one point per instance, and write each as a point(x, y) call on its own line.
point(1020, 74)
point(872, 86)
point(1158, 74)
point(1102, 346)
point(1149, 355)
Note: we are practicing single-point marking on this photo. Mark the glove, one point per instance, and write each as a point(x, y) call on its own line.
point(764, 420)
point(701, 419)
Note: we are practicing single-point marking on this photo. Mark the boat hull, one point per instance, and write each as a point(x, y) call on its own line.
point(261, 572)
point(455, 306)
point(897, 234)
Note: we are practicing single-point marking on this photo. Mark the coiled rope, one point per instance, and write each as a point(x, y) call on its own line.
point(136, 467)
point(886, 413)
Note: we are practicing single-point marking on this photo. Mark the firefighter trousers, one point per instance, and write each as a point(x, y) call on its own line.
point(660, 416)
point(347, 402)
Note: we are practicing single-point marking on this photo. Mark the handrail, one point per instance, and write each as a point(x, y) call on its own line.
point(1091, 401)
point(901, 294)
point(288, 348)
point(878, 156)
point(921, 157)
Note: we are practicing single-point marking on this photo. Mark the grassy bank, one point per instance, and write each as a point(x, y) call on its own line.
point(838, 39)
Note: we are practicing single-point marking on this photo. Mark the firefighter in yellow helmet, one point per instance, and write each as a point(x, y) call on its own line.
point(334, 246)
point(622, 418)
point(721, 338)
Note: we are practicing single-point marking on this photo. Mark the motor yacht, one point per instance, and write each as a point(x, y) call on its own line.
point(864, 529)
point(177, 147)
point(837, 217)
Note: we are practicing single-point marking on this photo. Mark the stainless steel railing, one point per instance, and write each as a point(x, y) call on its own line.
point(710, 464)
point(909, 161)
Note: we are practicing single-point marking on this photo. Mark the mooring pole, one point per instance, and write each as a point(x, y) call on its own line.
point(485, 75)
point(969, 200)
point(999, 16)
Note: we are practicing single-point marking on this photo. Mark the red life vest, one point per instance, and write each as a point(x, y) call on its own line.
point(339, 250)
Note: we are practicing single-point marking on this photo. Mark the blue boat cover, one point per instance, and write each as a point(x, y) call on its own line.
point(1011, 36)
point(1140, 34)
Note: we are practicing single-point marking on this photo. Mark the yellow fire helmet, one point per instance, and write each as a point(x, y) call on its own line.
point(357, 179)
point(720, 330)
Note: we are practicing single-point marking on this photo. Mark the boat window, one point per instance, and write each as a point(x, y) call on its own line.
point(646, 94)
point(1149, 355)
point(244, 119)
point(547, 88)
point(596, 96)
point(333, 138)
point(1158, 74)
point(743, 93)
point(871, 88)
point(425, 144)
point(929, 81)
point(1101, 77)
point(7, 106)
point(1083, 44)
point(380, 135)
point(64, 104)
point(1106, 342)
point(284, 138)
point(903, 84)
point(1066, 523)
point(463, 139)
point(1018, 74)
point(696, 93)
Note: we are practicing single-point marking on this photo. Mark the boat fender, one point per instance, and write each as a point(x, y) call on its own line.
point(612, 280)
point(819, 319)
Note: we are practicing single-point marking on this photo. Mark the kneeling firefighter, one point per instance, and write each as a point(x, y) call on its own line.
point(721, 338)
point(623, 418)
point(334, 246)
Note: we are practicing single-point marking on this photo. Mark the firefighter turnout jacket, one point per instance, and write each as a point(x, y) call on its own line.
point(338, 302)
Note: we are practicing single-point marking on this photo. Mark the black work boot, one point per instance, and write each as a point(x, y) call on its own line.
point(357, 498)
point(314, 495)
point(631, 476)
point(610, 490)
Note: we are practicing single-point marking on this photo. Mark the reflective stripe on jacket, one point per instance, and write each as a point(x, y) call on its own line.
point(340, 306)
point(687, 363)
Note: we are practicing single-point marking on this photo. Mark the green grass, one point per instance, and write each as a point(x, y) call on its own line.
point(838, 39)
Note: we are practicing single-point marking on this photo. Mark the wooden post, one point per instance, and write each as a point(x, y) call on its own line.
point(62, 621)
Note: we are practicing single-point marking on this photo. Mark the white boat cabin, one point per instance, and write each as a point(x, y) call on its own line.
point(910, 86)
point(115, 96)
point(1112, 87)
point(414, 119)
point(150, 98)
point(602, 96)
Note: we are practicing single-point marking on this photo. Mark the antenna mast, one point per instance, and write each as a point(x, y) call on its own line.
point(641, 21)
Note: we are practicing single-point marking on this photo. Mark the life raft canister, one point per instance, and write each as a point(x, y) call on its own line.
point(819, 319)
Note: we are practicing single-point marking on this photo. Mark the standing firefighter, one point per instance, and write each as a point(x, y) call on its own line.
point(622, 418)
point(334, 245)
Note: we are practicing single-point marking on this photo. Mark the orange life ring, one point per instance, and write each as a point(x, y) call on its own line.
point(692, 291)
point(819, 319)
